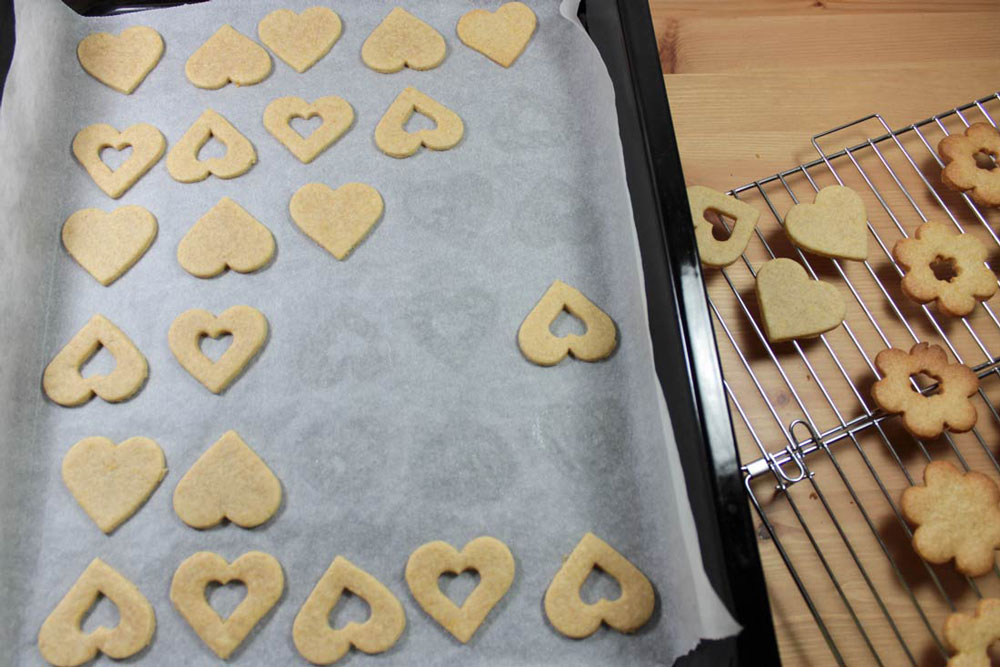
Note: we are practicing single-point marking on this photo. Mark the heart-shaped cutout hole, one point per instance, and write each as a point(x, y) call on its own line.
point(599, 585)
point(349, 609)
point(212, 149)
point(567, 325)
point(215, 347)
point(304, 126)
point(114, 157)
point(102, 614)
point(224, 598)
point(458, 587)
point(722, 225)
point(99, 364)
point(417, 122)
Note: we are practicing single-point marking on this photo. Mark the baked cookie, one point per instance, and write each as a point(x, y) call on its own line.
point(834, 225)
point(501, 35)
point(121, 61)
point(963, 172)
point(540, 346)
point(711, 251)
point(957, 517)
point(573, 617)
point(935, 242)
point(792, 306)
point(969, 637)
point(926, 416)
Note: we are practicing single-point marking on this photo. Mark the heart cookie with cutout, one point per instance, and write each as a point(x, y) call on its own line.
point(183, 163)
point(111, 482)
point(228, 56)
point(394, 140)
point(336, 113)
point(62, 640)
point(108, 244)
point(711, 251)
point(147, 145)
point(260, 572)
point(300, 39)
point(63, 381)
point(834, 225)
point(320, 644)
point(792, 306)
point(486, 555)
point(248, 327)
point(229, 481)
point(502, 35)
point(121, 61)
point(227, 237)
point(539, 345)
point(402, 40)
point(338, 220)
point(573, 617)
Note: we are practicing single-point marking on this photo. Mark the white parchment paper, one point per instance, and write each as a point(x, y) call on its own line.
point(391, 398)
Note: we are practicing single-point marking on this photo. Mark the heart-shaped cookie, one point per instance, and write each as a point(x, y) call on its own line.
point(834, 225)
point(793, 306)
point(229, 481)
point(573, 617)
point(228, 56)
point(183, 163)
point(711, 251)
point(320, 644)
point(227, 237)
point(62, 640)
point(147, 145)
point(486, 555)
point(121, 61)
point(63, 381)
point(111, 482)
point(108, 244)
point(502, 35)
point(248, 328)
point(300, 39)
point(264, 580)
point(540, 345)
point(337, 219)
point(394, 140)
point(402, 40)
point(337, 115)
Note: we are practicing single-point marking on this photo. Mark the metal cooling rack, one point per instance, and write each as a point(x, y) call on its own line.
point(826, 467)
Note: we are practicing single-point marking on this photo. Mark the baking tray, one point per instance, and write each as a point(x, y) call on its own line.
point(686, 356)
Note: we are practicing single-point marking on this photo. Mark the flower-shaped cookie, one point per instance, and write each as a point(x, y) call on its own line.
point(934, 242)
point(957, 516)
point(962, 172)
point(970, 636)
point(926, 416)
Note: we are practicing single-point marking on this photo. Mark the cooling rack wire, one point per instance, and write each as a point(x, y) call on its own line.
point(825, 467)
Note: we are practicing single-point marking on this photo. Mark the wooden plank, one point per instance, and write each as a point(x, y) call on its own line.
point(841, 41)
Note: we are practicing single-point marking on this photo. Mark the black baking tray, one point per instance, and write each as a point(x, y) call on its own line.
point(685, 353)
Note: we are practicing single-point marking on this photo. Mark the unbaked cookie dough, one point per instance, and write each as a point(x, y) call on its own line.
point(573, 617)
point(229, 481)
point(62, 640)
point(300, 39)
point(111, 482)
point(63, 381)
point(228, 56)
point(486, 555)
point(338, 220)
point(248, 327)
point(502, 35)
point(121, 61)
point(147, 145)
point(183, 163)
point(260, 572)
point(402, 40)
point(539, 345)
point(393, 139)
point(227, 237)
point(320, 644)
point(337, 115)
point(108, 244)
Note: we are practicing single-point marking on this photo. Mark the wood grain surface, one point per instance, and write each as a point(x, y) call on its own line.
point(749, 83)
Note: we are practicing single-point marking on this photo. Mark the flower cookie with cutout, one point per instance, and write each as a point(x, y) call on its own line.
point(970, 163)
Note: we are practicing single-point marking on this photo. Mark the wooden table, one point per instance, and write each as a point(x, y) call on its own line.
point(749, 83)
